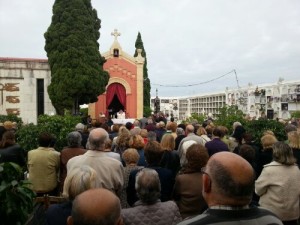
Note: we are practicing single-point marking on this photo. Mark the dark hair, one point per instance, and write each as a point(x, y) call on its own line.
point(46, 139)
point(218, 131)
point(153, 153)
point(8, 139)
point(247, 152)
point(197, 158)
point(226, 184)
point(238, 133)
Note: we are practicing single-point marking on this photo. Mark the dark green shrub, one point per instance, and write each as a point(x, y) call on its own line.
point(59, 126)
point(12, 118)
point(228, 115)
point(16, 199)
point(257, 127)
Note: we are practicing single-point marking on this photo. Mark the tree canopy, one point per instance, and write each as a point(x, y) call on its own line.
point(77, 75)
point(147, 86)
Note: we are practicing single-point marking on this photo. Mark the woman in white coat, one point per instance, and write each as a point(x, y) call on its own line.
point(278, 185)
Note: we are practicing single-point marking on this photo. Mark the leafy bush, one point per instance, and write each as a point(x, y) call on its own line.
point(257, 127)
point(228, 115)
point(296, 114)
point(12, 118)
point(195, 118)
point(59, 126)
point(16, 199)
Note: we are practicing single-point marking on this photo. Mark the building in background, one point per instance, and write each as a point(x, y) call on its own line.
point(277, 100)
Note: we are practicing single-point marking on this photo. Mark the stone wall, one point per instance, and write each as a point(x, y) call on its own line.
point(18, 87)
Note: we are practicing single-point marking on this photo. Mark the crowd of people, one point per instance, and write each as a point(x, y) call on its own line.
point(155, 171)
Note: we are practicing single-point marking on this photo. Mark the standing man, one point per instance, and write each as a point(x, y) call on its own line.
point(228, 184)
point(190, 136)
point(109, 170)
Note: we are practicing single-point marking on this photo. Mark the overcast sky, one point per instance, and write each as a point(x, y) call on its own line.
point(187, 41)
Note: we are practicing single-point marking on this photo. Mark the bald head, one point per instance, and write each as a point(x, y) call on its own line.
point(232, 178)
point(189, 128)
point(97, 139)
point(95, 207)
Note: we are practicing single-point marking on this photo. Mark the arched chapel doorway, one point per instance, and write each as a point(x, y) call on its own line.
point(115, 98)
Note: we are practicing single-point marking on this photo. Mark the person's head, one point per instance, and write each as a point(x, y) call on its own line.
point(224, 130)
point(8, 125)
point(131, 156)
point(79, 127)
point(45, 139)
point(74, 139)
point(147, 186)
point(88, 208)
point(79, 180)
point(209, 129)
point(235, 124)
point(97, 139)
point(171, 126)
point(294, 139)
point(8, 139)
point(228, 179)
point(185, 146)
point(129, 125)
point(267, 141)
point(283, 153)
point(189, 129)
point(201, 131)
point(123, 137)
point(115, 128)
point(182, 125)
point(151, 136)
point(290, 127)
point(167, 142)
point(196, 157)
point(136, 141)
point(180, 131)
point(268, 132)
point(238, 133)
point(161, 125)
point(144, 133)
point(247, 152)
point(135, 131)
point(108, 144)
point(136, 123)
point(218, 132)
point(153, 153)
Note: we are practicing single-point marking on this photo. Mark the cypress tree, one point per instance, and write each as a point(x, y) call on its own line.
point(77, 75)
point(147, 86)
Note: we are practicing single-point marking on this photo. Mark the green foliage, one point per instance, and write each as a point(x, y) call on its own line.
point(147, 111)
point(59, 126)
point(16, 199)
point(296, 114)
point(77, 75)
point(147, 86)
point(84, 111)
point(228, 115)
point(195, 118)
point(12, 118)
point(257, 127)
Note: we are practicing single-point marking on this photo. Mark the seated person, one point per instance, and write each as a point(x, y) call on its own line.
point(149, 209)
point(88, 208)
point(78, 180)
point(43, 166)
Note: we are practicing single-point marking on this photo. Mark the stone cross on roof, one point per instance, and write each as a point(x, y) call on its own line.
point(116, 34)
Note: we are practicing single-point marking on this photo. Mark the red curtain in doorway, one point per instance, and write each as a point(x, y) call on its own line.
point(116, 89)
